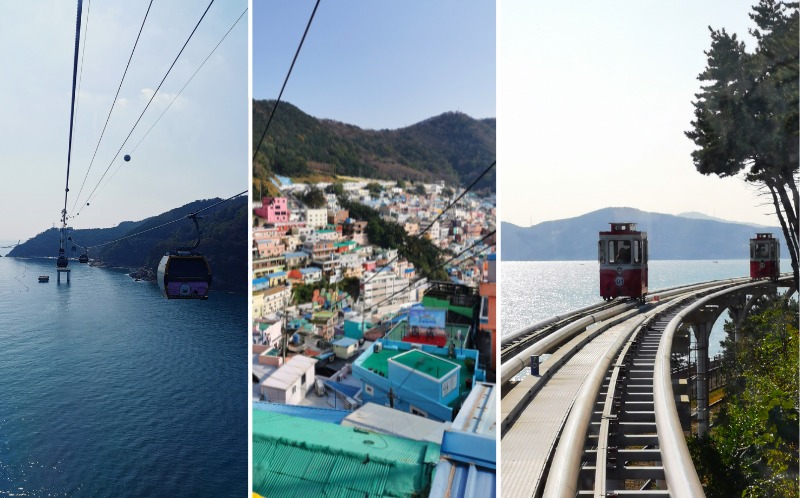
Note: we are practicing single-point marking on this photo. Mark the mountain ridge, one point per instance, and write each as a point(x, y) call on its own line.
point(452, 147)
point(224, 230)
point(670, 237)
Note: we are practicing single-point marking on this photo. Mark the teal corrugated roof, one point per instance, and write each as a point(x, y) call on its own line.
point(296, 457)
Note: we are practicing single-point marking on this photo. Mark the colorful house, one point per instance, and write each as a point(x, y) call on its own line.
point(291, 382)
point(488, 312)
point(424, 380)
point(273, 210)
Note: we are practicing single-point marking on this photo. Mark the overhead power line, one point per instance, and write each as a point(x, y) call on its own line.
point(420, 234)
point(442, 265)
point(151, 100)
point(286, 80)
point(113, 103)
point(172, 101)
point(72, 107)
point(83, 56)
point(195, 213)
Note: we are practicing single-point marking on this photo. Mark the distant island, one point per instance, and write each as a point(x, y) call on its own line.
point(224, 242)
point(451, 147)
point(670, 237)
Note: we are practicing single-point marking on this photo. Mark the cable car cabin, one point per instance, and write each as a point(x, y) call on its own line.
point(62, 261)
point(184, 276)
point(622, 253)
point(84, 258)
point(765, 256)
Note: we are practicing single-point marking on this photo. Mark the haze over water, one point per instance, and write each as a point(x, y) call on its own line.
point(110, 389)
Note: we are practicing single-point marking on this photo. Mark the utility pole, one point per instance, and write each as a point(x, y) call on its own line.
point(287, 289)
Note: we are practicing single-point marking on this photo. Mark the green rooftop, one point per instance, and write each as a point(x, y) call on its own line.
point(428, 364)
point(298, 457)
point(379, 363)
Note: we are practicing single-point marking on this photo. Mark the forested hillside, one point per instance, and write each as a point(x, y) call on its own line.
point(452, 147)
point(223, 242)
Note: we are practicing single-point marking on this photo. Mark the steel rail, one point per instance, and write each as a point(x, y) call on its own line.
point(679, 470)
point(559, 473)
point(513, 365)
point(520, 400)
point(562, 480)
point(549, 321)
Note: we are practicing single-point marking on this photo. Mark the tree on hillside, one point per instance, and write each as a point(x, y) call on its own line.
point(746, 117)
point(335, 188)
point(374, 188)
point(314, 198)
point(752, 449)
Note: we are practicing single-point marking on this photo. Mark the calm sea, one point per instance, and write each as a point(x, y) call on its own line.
point(531, 291)
point(109, 389)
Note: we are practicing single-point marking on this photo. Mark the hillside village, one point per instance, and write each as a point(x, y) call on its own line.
point(347, 333)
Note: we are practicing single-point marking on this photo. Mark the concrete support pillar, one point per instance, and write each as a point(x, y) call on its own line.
point(738, 308)
point(59, 271)
point(702, 331)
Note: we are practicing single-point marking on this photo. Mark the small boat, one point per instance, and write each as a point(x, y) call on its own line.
point(44, 278)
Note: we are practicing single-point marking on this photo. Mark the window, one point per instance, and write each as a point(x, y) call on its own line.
point(637, 251)
point(601, 253)
point(624, 252)
point(294, 389)
point(416, 411)
point(369, 389)
point(303, 379)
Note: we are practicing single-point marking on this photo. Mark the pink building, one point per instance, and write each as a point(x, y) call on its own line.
point(273, 210)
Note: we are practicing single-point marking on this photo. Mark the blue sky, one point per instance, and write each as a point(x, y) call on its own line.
point(197, 150)
point(593, 100)
point(378, 64)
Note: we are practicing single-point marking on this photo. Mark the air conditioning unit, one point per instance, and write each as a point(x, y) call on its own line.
point(377, 347)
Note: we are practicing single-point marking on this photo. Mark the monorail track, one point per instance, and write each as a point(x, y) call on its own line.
point(587, 424)
point(520, 340)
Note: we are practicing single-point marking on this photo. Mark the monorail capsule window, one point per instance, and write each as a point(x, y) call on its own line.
point(619, 251)
point(763, 250)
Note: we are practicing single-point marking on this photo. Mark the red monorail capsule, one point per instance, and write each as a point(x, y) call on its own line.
point(622, 253)
point(765, 256)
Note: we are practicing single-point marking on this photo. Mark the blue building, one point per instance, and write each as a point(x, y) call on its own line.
point(424, 380)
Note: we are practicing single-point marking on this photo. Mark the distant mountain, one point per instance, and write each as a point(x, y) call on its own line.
point(224, 242)
point(452, 147)
point(669, 236)
point(700, 216)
